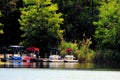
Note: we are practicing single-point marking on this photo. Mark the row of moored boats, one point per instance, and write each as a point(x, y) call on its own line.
point(32, 55)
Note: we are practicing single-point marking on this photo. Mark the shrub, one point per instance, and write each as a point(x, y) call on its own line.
point(85, 53)
point(68, 45)
point(107, 56)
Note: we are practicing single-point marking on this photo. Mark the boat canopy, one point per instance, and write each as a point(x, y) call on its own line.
point(54, 49)
point(16, 46)
point(33, 49)
point(15, 49)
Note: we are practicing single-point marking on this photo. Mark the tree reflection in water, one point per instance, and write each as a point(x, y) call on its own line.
point(57, 65)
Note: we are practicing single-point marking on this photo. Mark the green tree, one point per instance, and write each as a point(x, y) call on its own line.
point(108, 27)
point(10, 14)
point(78, 18)
point(41, 24)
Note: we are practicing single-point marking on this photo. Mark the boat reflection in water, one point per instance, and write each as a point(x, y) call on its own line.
point(62, 65)
point(58, 65)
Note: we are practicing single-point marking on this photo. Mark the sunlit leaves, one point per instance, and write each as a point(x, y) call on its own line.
point(53, 7)
point(109, 13)
point(109, 23)
point(28, 2)
point(40, 21)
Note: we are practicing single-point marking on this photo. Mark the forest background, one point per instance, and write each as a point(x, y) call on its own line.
point(91, 28)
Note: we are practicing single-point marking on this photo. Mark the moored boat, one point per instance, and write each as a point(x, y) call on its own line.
point(31, 54)
point(70, 58)
point(54, 56)
point(15, 58)
point(14, 53)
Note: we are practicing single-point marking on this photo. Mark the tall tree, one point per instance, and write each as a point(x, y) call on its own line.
point(108, 27)
point(41, 25)
point(78, 18)
point(11, 13)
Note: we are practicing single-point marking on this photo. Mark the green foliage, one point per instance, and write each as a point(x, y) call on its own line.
point(1, 25)
point(86, 54)
point(64, 45)
point(41, 24)
point(90, 56)
point(0, 14)
point(108, 30)
point(107, 57)
point(29, 2)
point(107, 33)
point(78, 16)
point(10, 14)
point(85, 44)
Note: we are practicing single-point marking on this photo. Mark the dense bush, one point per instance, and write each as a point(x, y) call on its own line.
point(107, 56)
point(85, 54)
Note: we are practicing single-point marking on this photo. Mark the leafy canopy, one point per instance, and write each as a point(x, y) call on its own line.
point(41, 23)
point(108, 30)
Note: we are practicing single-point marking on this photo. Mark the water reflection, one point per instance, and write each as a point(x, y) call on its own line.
point(71, 65)
point(58, 65)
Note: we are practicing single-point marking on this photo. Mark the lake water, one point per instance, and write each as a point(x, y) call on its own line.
point(58, 71)
point(56, 74)
point(60, 65)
